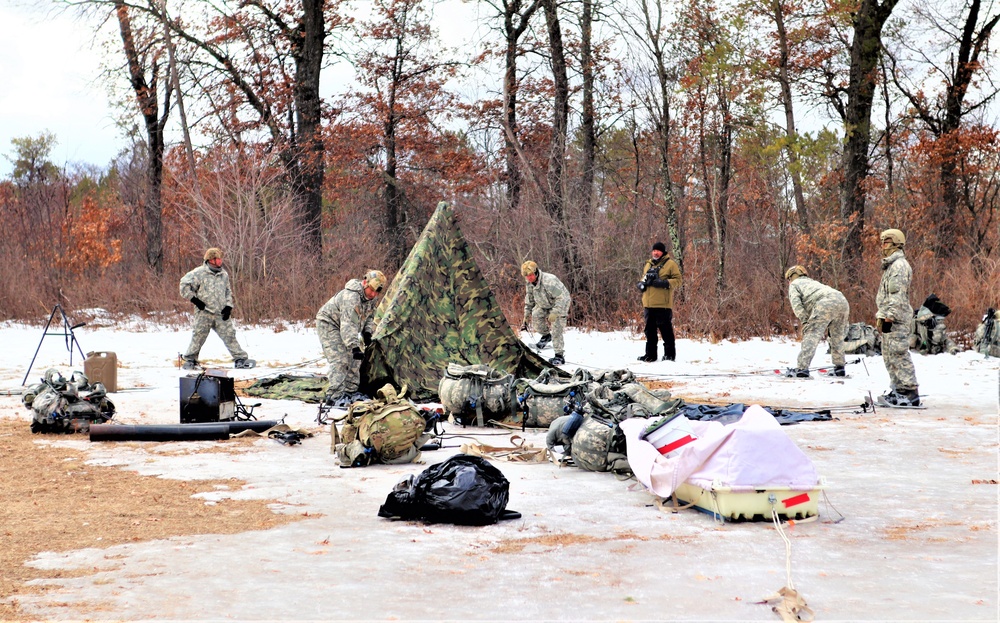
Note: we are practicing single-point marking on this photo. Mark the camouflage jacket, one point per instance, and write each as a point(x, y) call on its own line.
point(893, 298)
point(547, 293)
point(208, 285)
point(804, 293)
point(660, 293)
point(350, 311)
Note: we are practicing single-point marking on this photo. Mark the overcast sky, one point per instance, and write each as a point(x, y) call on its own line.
point(49, 81)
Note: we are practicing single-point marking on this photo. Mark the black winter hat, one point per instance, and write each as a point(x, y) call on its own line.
point(659, 246)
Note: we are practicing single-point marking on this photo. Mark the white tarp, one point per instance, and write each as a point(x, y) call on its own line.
point(752, 453)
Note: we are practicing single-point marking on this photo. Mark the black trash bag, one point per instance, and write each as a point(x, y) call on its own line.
point(464, 490)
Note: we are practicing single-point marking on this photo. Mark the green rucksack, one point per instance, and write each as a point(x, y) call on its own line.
point(386, 429)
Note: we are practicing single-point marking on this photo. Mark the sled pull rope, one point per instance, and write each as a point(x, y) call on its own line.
point(792, 607)
point(784, 537)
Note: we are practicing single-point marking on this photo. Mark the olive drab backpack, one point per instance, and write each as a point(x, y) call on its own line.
point(386, 429)
point(599, 444)
point(987, 338)
point(475, 393)
point(547, 397)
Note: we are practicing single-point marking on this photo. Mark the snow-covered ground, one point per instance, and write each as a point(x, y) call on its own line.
point(892, 473)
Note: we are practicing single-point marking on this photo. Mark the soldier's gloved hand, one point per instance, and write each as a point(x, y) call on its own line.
point(200, 304)
point(524, 325)
point(366, 336)
point(226, 312)
point(886, 325)
point(357, 354)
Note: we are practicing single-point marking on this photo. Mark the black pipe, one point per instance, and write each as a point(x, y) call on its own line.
point(257, 426)
point(175, 432)
point(158, 432)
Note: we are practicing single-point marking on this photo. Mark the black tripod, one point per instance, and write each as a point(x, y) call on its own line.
point(67, 333)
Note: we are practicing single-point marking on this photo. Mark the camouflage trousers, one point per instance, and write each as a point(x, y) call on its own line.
point(545, 321)
point(896, 356)
point(829, 317)
point(204, 322)
point(344, 373)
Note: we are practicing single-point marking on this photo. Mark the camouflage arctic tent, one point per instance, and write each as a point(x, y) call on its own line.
point(439, 309)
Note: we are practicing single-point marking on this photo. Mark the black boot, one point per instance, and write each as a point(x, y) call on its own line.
point(797, 373)
point(543, 341)
point(647, 358)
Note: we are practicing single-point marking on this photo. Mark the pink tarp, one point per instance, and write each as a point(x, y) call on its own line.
point(752, 453)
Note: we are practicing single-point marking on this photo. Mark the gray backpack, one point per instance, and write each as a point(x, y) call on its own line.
point(475, 393)
point(58, 407)
point(862, 339)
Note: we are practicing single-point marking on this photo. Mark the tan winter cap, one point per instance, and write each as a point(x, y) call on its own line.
point(528, 268)
point(213, 253)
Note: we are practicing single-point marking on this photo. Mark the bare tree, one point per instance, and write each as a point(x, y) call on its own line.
point(266, 60)
point(956, 68)
point(145, 74)
point(866, 47)
point(516, 16)
point(649, 30)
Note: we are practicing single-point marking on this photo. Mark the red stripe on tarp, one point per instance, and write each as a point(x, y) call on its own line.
point(796, 500)
point(673, 445)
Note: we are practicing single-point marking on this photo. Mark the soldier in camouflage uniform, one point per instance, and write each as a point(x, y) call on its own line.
point(894, 320)
point(546, 303)
point(822, 311)
point(207, 287)
point(342, 323)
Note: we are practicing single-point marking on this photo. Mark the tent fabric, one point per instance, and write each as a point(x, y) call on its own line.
point(439, 309)
point(750, 454)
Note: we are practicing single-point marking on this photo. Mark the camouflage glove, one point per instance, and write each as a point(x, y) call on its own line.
point(226, 312)
point(357, 354)
point(200, 304)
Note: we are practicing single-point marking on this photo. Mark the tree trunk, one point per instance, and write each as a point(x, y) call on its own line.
point(792, 136)
point(652, 16)
point(970, 45)
point(512, 35)
point(587, 122)
point(308, 143)
point(865, 50)
point(145, 95)
point(393, 196)
point(557, 148)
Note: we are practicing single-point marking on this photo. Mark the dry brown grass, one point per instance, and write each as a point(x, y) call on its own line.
point(53, 501)
point(551, 542)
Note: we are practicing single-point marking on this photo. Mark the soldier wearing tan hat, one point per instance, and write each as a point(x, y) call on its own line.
point(207, 287)
point(345, 325)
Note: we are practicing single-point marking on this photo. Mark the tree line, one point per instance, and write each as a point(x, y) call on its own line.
point(748, 136)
